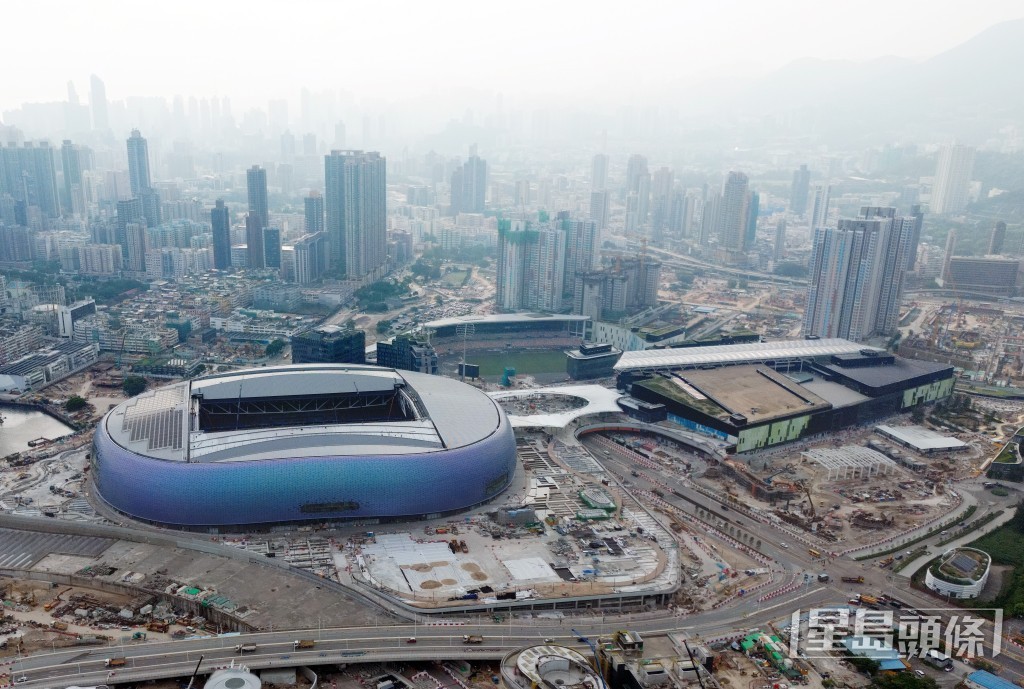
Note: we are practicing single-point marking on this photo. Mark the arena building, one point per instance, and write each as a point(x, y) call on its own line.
point(526, 330)
point(312, 442)
point(763, 394)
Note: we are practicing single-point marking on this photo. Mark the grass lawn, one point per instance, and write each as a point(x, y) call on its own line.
point(454, 278)
point(523, 362)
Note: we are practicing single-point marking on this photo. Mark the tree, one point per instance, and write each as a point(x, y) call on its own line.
point(133, 385)
point(917, 415)
point(75, 403)
point(275, 348)
point(383, 326)
point(902, 680)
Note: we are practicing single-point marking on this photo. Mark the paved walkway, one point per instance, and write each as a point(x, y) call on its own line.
point(920, 562)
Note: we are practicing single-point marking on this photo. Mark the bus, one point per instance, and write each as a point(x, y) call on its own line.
point(813, 552)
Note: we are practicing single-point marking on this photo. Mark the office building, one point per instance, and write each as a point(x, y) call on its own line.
point(661, 200)
point(636, 168)
point(220, 221)
point(355, 198)
point(997, 238)
point(256, 185)
point(135, 247)
point(799, 190)
point(329, 344)
point(987, 275)
point(314, 206)
point(407, 353)
point(469, 183)
point(952, 179)
point(254, 242)
point(138, 164)
point(856, 278)
point(599, 172)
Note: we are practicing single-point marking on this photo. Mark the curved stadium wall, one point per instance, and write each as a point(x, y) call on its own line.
point(270, 491)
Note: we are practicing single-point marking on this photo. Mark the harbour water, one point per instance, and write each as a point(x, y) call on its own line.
point(22, 425)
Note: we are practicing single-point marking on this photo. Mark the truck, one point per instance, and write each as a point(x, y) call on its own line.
point(853, 580)
point(59, 626)
point(115, 662)
point(245, 648)
point(868, 600)
point(304, 643)
point(472, 639)
point(157, 626)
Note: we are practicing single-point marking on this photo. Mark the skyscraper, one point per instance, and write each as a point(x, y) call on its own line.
point(819, 207)
point(599, 172)
point(856, 278)
point(28, 174)
point(661, 199)
point(272, 247)
point(129, 211)
point(256, 185)
point(531, 264)
point(599, 208)
point(636, 167)
point(98, 102)
point(254, 241)
point(581, 247)
point(915, 235)
point(997, 238)
point(734, 212)
point(138, 163)
point(469, 184)
point(355, 202)
point(220, 220)
point(780, 240)
point(799, 189)
point(952, 179)
point(72, 165)
point(314, 212)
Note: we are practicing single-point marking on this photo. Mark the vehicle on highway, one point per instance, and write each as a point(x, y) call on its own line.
point(783, 545)
point(411, 640)
point(21, 679)
point(245, 648)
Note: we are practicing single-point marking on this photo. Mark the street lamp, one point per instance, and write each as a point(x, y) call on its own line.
point(593, 649)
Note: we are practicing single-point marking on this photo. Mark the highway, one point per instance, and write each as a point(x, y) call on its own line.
point(152, 660)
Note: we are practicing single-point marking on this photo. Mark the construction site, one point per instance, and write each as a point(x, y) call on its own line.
point(853, 491)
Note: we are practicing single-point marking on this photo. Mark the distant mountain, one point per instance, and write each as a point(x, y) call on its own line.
point(965, 92)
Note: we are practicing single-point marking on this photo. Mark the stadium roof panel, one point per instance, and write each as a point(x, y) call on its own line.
point(159, 423)
point(683, 357)
point(920, 438)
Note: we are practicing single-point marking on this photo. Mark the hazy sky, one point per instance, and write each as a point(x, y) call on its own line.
point(253, 50)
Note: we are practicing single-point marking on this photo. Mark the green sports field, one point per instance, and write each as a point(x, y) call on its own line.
point(493, 364)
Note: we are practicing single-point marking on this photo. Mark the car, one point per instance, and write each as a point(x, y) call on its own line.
point(919, 673)
point(549, 641)
point(784, 545)
point(21, 679)
point(411, 640)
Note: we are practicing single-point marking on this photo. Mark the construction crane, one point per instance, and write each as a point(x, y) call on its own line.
point(810, 502)
point(120, 351)
point(788, 469)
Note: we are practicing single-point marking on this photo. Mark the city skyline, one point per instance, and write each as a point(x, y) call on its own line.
point(736, 39)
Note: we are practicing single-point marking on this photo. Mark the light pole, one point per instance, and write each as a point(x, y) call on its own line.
point(465, 330)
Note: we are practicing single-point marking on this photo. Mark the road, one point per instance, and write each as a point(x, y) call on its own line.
point(276, 649)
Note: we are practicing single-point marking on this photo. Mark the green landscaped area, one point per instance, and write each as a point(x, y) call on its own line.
point(1006, 547)
point(454, 278)
point(522, 362)
point(1008, 455)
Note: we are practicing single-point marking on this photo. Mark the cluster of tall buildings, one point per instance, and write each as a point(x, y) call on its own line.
point(856, 277)
point(552, 265)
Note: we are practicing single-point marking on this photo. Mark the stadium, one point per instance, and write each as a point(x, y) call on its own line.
point(313, 442)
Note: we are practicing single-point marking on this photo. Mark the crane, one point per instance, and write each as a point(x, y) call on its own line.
point(788, 469)
point(120, 351)
point(810, 502)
